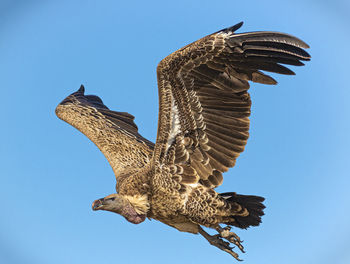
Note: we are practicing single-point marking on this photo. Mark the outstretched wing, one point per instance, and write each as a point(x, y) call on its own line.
point(204, 104)
point(114, 133)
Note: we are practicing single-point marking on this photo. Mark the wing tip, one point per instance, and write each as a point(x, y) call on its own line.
point(233, 28)
point(81, 89)
point(303, 45)
point(58, 111)
point(59, 108)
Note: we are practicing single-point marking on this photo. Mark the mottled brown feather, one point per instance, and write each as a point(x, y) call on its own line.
point(204, 86)
point(114, 133)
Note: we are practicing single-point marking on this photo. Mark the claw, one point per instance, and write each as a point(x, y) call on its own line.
point(231, 237)
point(217, 240)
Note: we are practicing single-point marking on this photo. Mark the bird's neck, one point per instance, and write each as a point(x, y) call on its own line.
point(136, 208)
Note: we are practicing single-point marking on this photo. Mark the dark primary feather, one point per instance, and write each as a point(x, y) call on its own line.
point(207, 82)
point(231, 29)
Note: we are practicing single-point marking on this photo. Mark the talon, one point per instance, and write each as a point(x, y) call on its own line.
point(217, 240)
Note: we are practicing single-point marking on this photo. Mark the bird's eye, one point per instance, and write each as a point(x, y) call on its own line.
point(111, 199)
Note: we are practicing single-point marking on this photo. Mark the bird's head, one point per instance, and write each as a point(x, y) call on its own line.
point(114, 203)
point(118, 204)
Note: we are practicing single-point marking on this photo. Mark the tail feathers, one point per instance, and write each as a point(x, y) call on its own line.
point(252, 203)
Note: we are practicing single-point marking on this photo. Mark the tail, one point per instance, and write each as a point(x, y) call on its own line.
point(252, 203)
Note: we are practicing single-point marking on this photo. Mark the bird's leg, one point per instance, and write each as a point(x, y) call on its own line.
point(230, 236)
point(217, 241)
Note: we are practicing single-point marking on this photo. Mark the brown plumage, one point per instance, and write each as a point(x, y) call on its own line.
point(204, 109)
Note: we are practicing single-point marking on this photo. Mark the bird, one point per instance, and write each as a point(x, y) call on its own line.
point(203, 126)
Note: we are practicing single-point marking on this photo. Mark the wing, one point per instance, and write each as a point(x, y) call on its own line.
point(114, 133)
point(204, 105)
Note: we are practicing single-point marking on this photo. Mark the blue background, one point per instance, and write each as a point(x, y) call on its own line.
point(297, 155)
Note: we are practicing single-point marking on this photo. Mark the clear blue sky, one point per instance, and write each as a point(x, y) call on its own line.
point(297, 156)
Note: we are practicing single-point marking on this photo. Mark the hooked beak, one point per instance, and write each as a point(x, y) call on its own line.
point(96, 205)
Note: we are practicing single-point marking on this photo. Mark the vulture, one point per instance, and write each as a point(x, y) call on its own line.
point(203, 126)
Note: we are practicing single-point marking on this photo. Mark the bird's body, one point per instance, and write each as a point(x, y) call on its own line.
point(203, 126)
